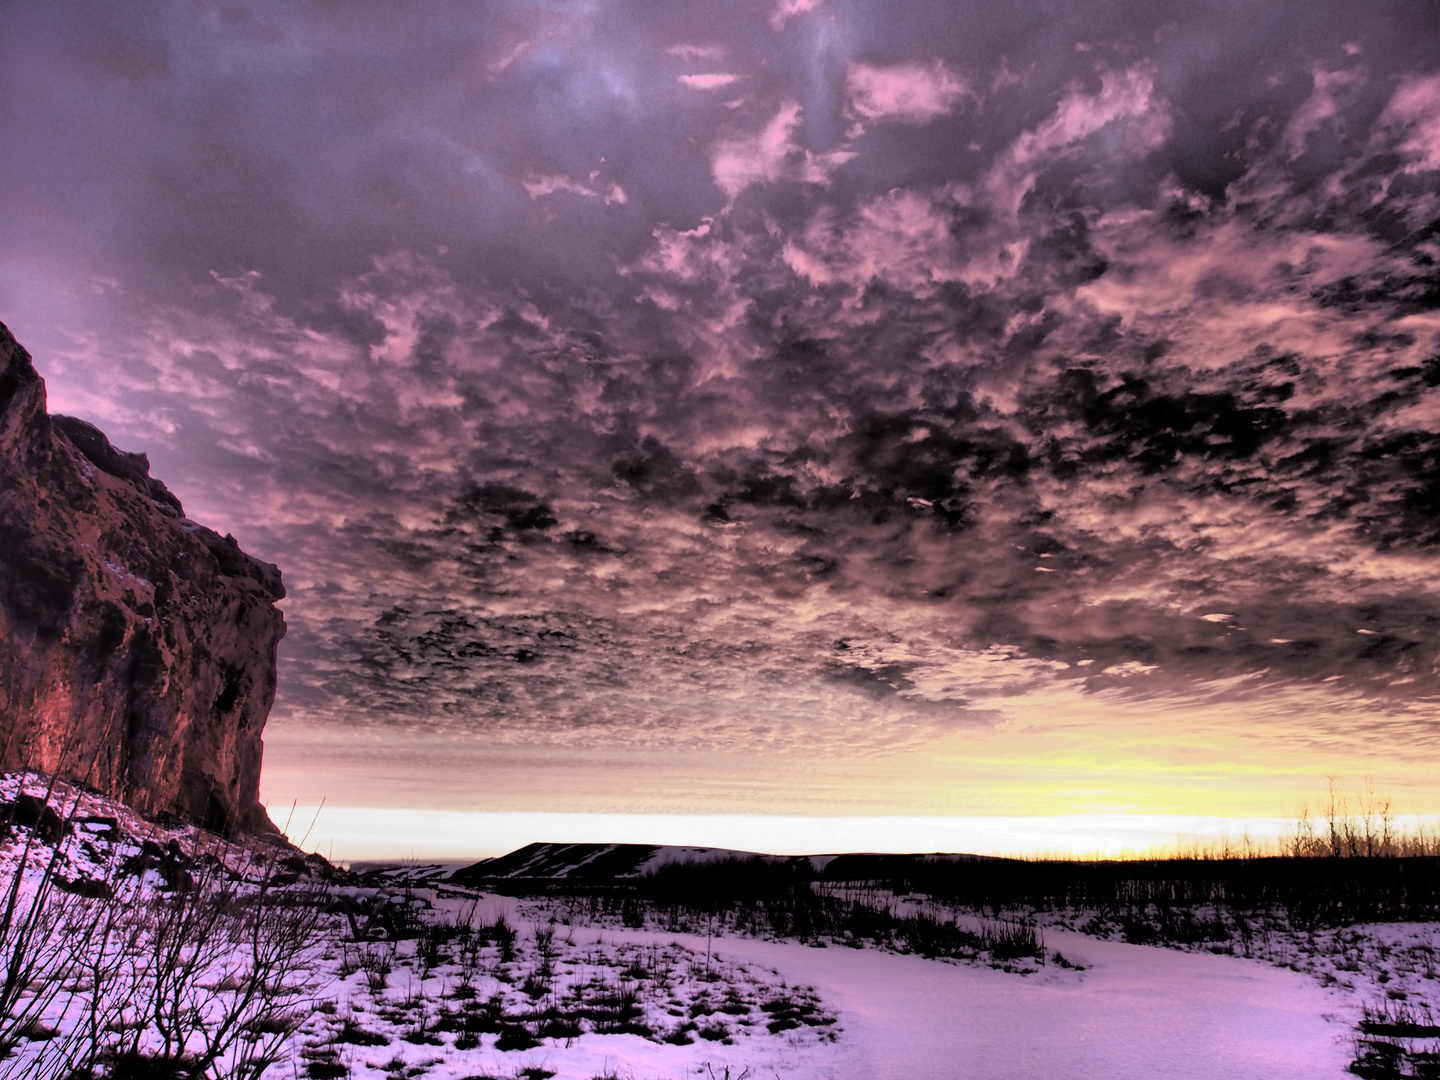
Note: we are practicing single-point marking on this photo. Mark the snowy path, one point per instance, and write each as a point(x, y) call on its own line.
point(1137, 1013)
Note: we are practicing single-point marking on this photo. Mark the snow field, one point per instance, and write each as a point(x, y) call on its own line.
point(572, 1003)
point(482, 986)
point(1134, 1013)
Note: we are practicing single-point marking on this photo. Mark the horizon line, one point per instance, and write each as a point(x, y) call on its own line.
point(391, 834)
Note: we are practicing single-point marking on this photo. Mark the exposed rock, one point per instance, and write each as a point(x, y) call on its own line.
point(137, 648)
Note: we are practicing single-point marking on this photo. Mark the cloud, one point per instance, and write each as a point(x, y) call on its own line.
point(1107, 419)
point(772, 155)
point(788, 9)
point(1124, 121)
point(708, 81)
point(1319, 110)
point(539, 186)
point(902, 238)
point(609, 509)
point(905, 93)
point(1415, 110)
point(697, 52)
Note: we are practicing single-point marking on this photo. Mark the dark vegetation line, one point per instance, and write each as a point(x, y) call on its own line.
point(1174, 901)
point(1351, 863)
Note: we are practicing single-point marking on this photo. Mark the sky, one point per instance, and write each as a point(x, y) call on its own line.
point(804, 408)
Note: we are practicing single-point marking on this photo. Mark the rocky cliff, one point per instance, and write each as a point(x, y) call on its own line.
point(137, 648)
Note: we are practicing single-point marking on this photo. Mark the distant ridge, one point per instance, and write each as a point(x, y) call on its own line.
point(594, 863)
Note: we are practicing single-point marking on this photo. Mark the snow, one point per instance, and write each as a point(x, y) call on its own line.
point(671, 853)
point(782, 1009)
point(1132, 1012)
point(1135, 1012)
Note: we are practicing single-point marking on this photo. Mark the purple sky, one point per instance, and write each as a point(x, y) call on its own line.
point(816, 408)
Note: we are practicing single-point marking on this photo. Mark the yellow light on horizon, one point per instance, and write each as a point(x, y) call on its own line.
point(389, 834)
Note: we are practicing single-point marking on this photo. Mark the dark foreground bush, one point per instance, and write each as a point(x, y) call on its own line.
point(183, 966)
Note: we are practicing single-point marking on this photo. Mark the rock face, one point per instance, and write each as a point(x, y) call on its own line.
point(137, 648)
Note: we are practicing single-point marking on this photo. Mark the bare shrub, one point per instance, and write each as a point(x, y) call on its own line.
point(183, 967)
point(376, 959)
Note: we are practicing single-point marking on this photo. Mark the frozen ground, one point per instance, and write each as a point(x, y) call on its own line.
point(481, 986)
point(1133, 1012)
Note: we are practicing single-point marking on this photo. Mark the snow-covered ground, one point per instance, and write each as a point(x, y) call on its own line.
point(690, 1008)
point(1132, 1012)
point(423, 980)
point(1135, 1012)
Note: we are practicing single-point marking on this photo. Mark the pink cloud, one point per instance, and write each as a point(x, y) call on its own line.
point(904, 237)
point(708, 81)
point(906, 93)
point(772, 155)
point(539, 186)
point(1321, 108)
point(1416, 109)
point(788, 9)
point(1124, 95)
point(1126, 102)
point(901, 238)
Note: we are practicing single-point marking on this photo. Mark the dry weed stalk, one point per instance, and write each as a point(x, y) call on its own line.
point(203, 970)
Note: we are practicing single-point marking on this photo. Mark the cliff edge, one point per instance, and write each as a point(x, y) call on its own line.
point(137, 648)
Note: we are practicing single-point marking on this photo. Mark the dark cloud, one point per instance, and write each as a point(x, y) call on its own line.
point(624, 374)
